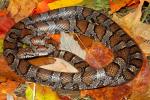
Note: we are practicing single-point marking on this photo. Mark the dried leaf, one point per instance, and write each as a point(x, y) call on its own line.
point(42, 6)
point(42, 61)
point(115, 5)
point(2, 79)
point(139, 31)
point(96, 54)
point(53, 64)
point(8, 87)
point(3, 96)
point(68, 43)
point(19, 9)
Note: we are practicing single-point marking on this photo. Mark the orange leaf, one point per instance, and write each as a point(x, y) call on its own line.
point(96, 54)
point(8, 86)
point(55, 37)
point(42, 6)
point(115, 5)
point(3, 96)
point(2, 13)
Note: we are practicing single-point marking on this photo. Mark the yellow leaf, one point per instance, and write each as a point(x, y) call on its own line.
point(63, 3)
point(1, 46)
point(40, 92)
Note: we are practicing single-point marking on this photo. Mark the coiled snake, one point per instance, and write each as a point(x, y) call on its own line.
point(127, 62)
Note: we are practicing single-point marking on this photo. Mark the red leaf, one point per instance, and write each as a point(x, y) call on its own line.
point(5, 24)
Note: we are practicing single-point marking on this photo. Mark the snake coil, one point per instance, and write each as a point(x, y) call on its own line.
point(33, 31)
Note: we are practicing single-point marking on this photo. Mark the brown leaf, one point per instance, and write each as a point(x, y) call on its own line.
point(42, 61)
point(19, 9)
point(96, 54)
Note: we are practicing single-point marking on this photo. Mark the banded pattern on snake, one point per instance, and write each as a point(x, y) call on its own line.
point(127, 62)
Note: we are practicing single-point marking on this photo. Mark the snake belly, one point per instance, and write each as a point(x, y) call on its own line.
point(127, 62)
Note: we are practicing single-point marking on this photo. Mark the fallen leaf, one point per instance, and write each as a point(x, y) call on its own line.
point(68, 43)
point(42, 6)
point(135, 28)
point(19, 9)
point(3, 96)
point(2, 13)
point(53, 64)
point(5, 24)
point(95, 51)
point(115, 5)
point(96, 54)
point(42, 61)
point(84, 41)
point(63, 3)
point(2, 79)
point(8, 86)
point(39, 92)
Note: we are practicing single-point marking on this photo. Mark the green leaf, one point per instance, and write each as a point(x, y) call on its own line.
point(96, 4)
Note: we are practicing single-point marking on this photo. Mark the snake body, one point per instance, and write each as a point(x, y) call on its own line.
point(127, 62)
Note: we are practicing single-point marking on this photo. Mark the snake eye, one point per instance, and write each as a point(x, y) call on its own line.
point(24, 46)
point(10, 58)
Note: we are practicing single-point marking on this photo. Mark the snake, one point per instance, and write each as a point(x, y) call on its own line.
point(28, 39)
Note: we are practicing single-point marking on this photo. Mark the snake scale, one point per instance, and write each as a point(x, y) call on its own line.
point(127, 62)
